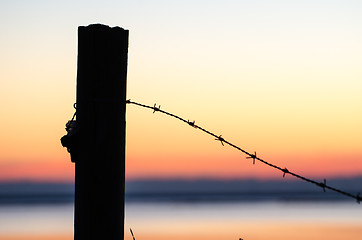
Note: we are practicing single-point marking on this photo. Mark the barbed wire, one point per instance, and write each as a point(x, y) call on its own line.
point(252, 156)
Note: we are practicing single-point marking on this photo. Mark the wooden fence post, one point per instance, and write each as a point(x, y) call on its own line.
point(100, 150)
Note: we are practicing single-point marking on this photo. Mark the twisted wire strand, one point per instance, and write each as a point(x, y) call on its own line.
point(223, 141)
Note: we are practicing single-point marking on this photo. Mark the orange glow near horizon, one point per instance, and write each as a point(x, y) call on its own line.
point(232, 227)
point(221, 165)
point(250, 230)
point(37, 172)
point(164, 148)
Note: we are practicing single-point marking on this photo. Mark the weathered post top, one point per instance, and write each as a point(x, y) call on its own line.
point(101, 50)
point(100, 155)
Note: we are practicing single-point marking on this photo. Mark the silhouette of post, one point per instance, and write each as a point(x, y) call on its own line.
point(100, 155)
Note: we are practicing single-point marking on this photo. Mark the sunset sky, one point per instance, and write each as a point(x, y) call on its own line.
point(282, 78)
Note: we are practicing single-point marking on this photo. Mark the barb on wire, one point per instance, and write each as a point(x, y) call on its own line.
point(285, 171)
point(219, 138)
point(252, 156)
point(192, 124)
point(323, 185)
point(156, 109)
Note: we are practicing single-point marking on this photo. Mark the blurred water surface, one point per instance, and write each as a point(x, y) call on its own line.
point(196, 220)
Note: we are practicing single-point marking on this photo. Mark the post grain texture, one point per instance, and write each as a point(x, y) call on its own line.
point(101, 109)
